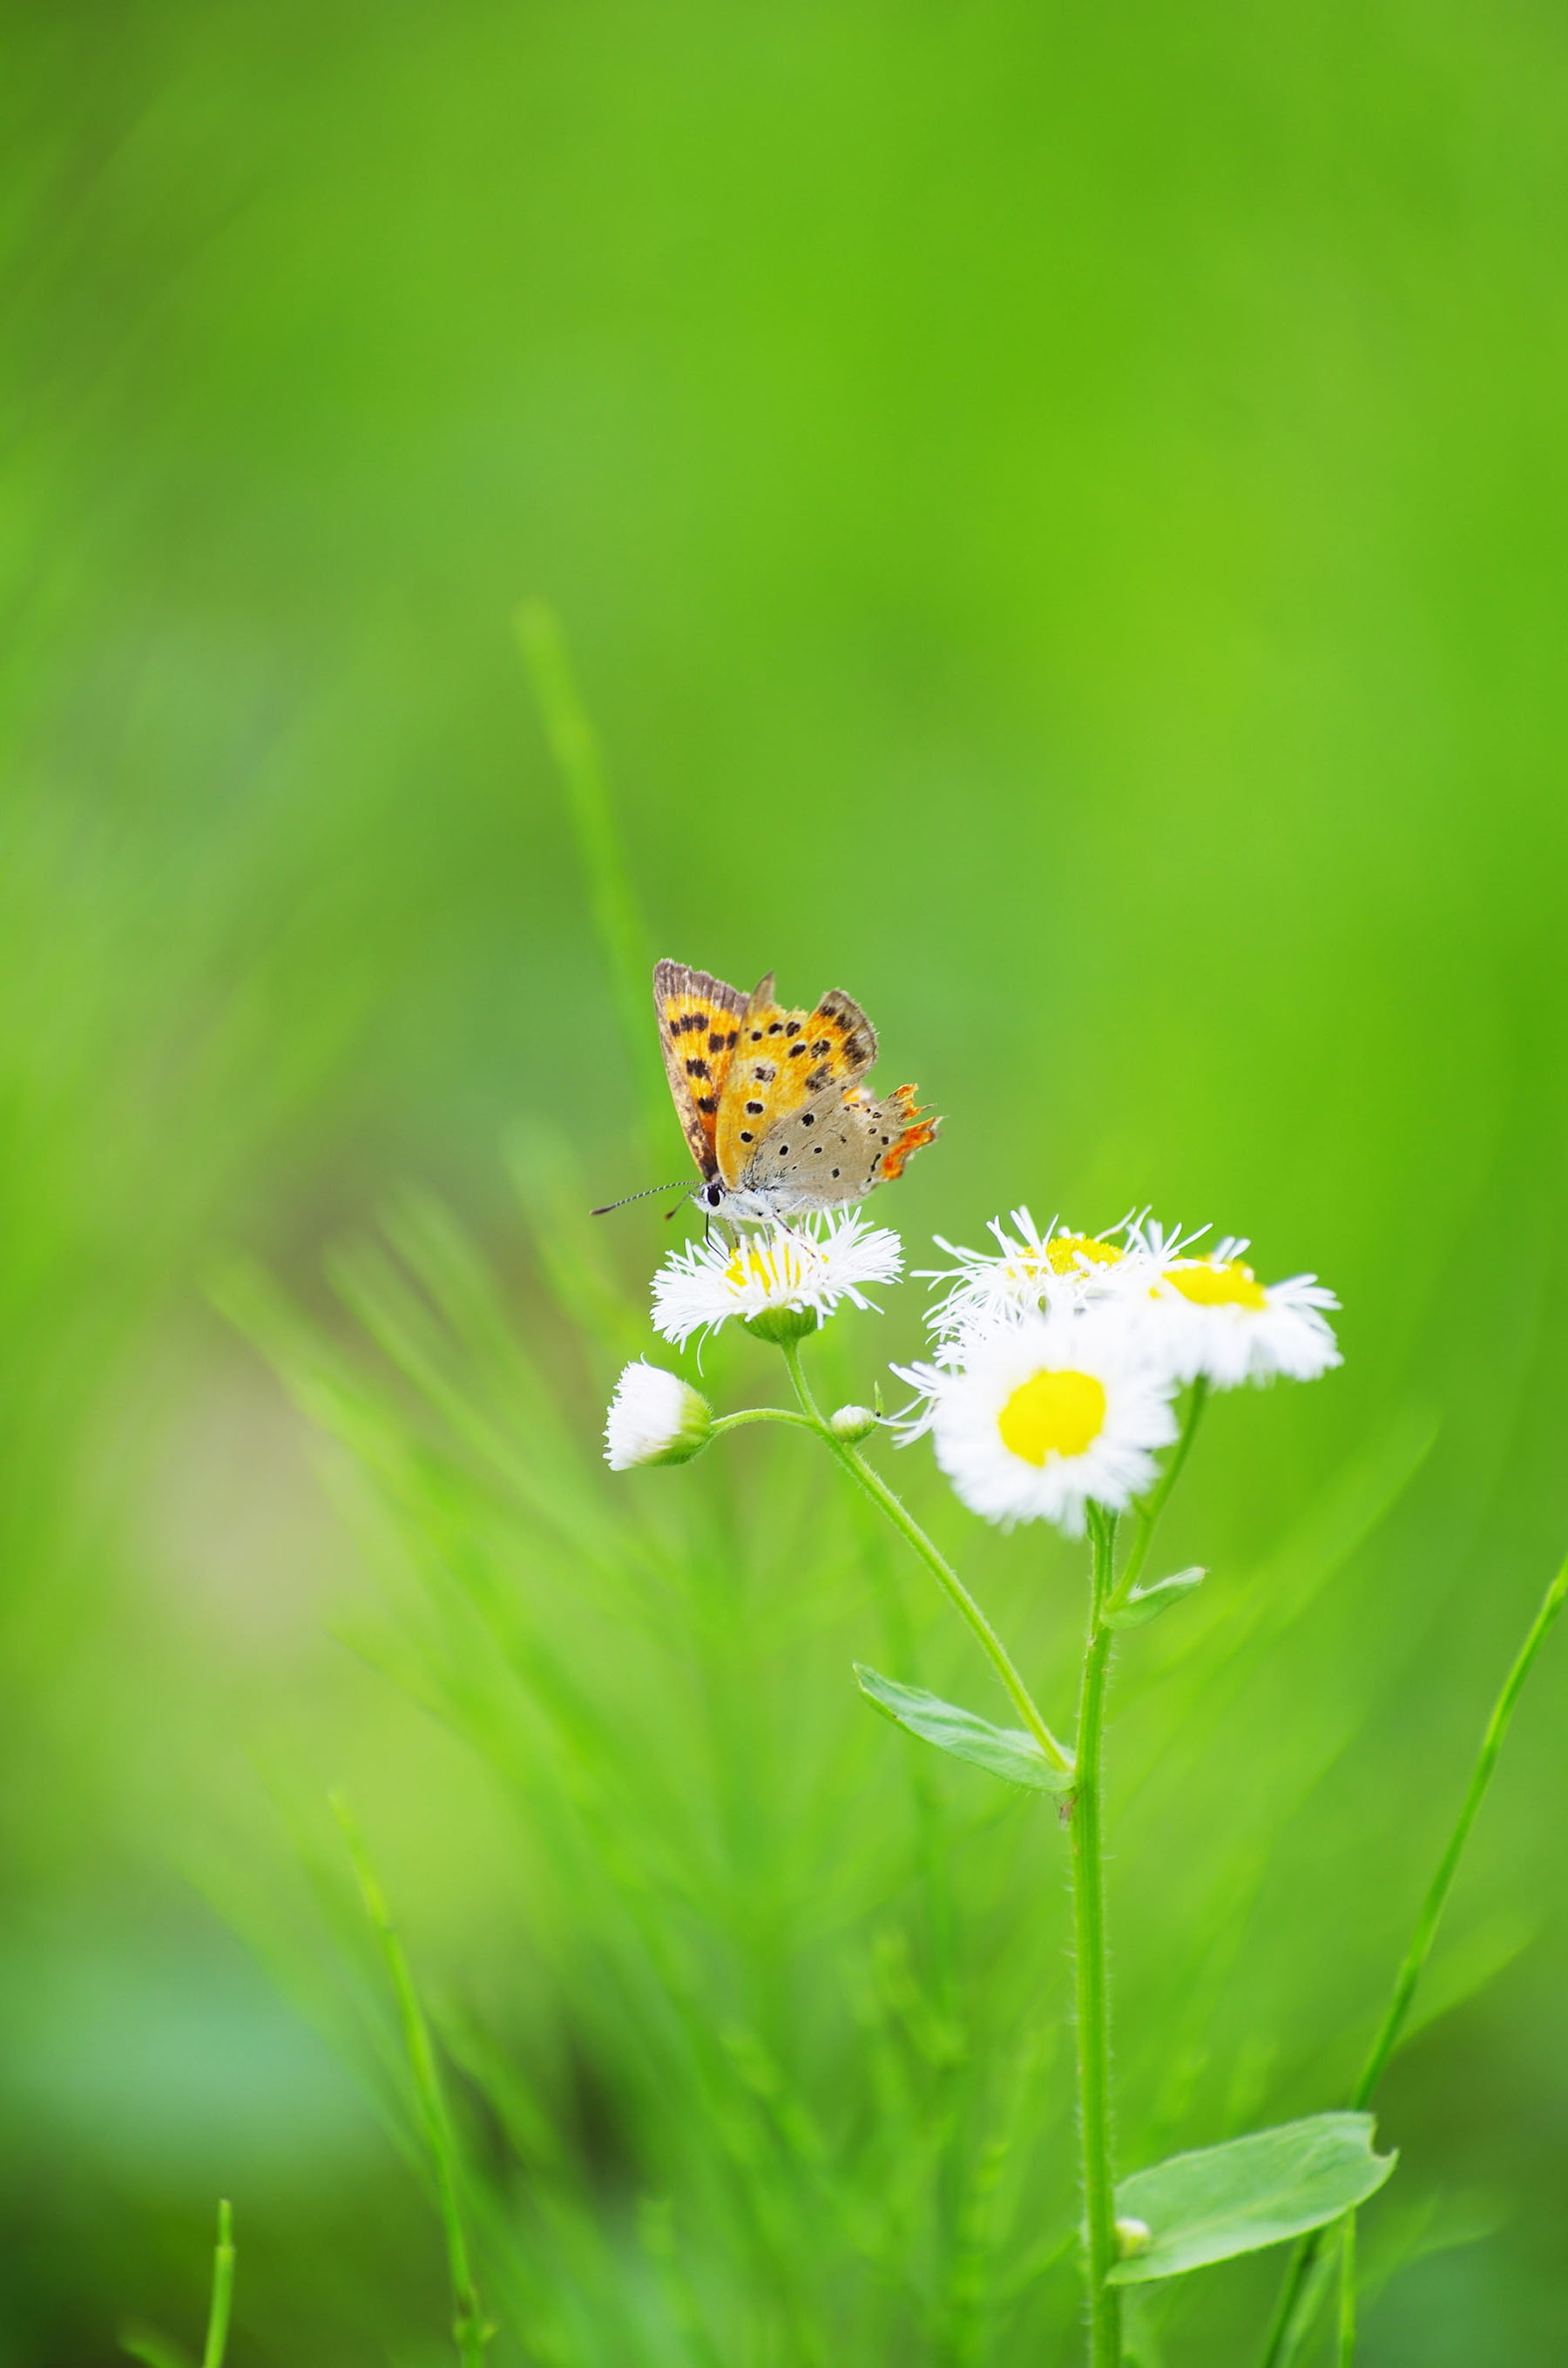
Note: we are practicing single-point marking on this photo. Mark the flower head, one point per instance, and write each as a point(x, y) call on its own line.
point(655, 1418)
point(1028, 1271)
point(779, 1277)
point(1210, 1316)
point(1034, 1417)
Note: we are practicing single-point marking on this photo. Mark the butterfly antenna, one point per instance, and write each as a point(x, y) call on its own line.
point(647, 1195)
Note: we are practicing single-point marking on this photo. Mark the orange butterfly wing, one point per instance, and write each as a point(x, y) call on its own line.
point(916, 1130)
point(700, 1025)
point(783, 1061)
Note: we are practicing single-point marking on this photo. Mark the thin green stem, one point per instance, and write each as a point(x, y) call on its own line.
point(1092, 1971)
point(1147, 1514)
point(1291, 2316)
point(1346, 2354)
point(222, 2290)
point(469, 2331)
point(946, 1577)
point(761, 1413)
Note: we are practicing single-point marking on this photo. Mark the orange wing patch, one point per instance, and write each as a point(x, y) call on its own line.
point(783, 1060)
point(700, 1025)
point(917, 1133)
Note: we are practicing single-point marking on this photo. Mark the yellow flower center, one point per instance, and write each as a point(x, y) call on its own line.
point(1065, 1251)
point(779, 1267)
point(1232, 1285)
point(1063, 1254)
point(1053, 1414)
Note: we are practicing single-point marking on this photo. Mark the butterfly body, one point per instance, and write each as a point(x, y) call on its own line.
point(772, 1101)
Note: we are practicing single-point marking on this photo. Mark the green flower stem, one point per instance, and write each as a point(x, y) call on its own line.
point(761, 1414)
point(1346, 2353)
point(1289, 2321)
point(1089, 1951)
point(222, 2291)
point(1147, 1514)
point(946, 1577)
point(470, 2330)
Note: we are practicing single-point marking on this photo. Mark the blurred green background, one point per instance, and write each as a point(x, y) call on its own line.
point(1060, 518)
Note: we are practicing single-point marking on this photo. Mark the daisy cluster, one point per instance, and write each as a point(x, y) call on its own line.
point(1057, 1356)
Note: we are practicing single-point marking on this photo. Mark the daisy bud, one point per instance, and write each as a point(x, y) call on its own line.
point(852, 1423)
point(655, 1418)
point(1133, 2238)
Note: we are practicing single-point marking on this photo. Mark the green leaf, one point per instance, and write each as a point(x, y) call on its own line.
point(1148, 1602)
point(1255, 2190)
point(1006, 1751)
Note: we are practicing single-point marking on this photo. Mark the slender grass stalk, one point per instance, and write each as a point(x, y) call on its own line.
point(1297, 2291)
point(154, 2350)
point(217, 2341)
point(1092, 1971)
point(946, 1577)
point(617, 918)
point(469, 2330)
point(1346, 2352)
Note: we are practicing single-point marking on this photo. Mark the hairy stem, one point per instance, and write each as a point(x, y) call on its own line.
point(1346, 2353)
point(1092, 1971)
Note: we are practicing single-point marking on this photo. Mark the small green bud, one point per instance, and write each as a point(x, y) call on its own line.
point(852, 1423)
point(782, 1325)
point(1133, 2238)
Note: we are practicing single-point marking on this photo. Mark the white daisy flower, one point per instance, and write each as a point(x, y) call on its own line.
point(1029, 1271)
point(1210, 1316)
point(1047, 1414)
point(783, 1280)
point(655, 1418)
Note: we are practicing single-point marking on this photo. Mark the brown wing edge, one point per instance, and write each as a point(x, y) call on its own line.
point(695, 995)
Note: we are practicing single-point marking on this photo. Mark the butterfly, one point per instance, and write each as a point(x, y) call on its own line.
point(770, 1101)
